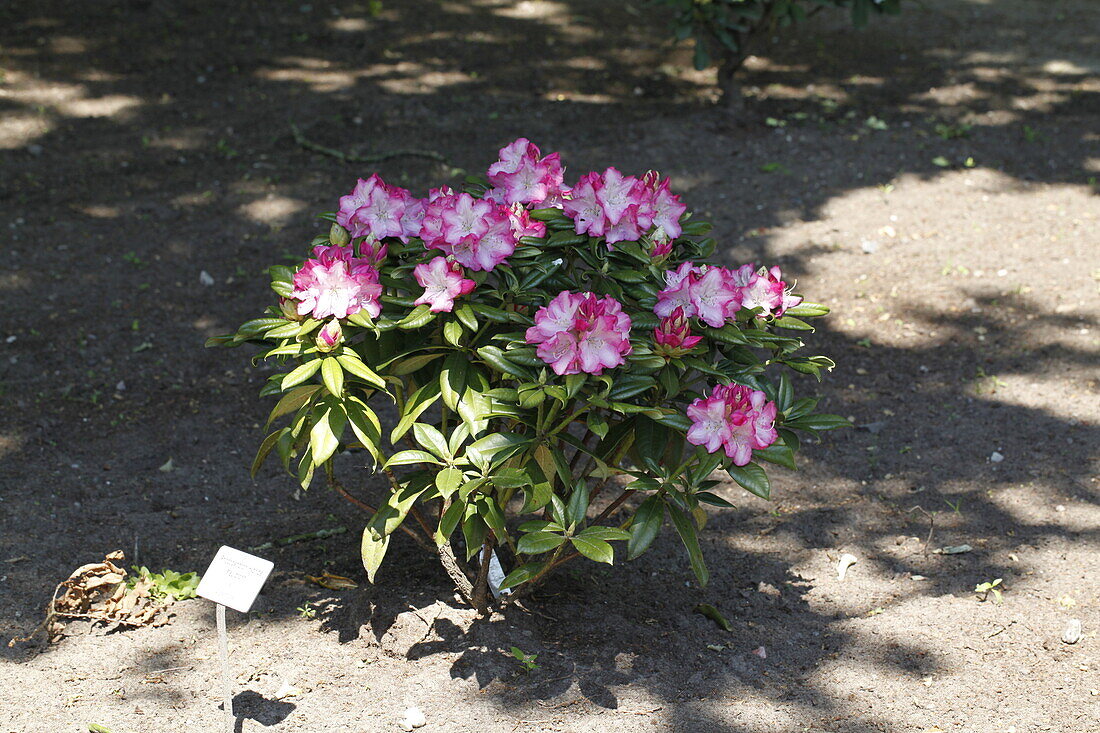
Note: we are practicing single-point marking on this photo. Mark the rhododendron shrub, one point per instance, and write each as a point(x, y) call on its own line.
point(535, 370)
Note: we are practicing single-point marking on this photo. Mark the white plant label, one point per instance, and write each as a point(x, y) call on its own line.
point(496, 576)
point(234, 579)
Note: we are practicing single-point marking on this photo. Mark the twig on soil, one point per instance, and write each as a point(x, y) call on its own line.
point(319, 534)
point(355, 158)
point(1000, 630)
point(931, 525)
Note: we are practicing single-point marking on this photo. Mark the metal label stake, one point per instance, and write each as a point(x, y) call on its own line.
point(227, 679)
point(233, 579)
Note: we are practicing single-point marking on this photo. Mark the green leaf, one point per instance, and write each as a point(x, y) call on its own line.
point(265, 449)
point(418, 402)
point(409, 364)
point(448, 522)
point(511, 478)
point(496, 360)
point(420, 316)
point(808, 310)
point(594, 549)
point(497, 446)
point(373, 551)
point(301, 374)
point(537, 543)
point(452, 332)
point(324, 437)
point(713, 614)
point(686, 529)
point(465, 314)
point(333, 376)
point(779, 454)
point(597, 423)
point(819, 422)
point(365, 425)
point(607, 534)
point(448, 480)
point(474, 531)
point(753, 478)
point(411, 458)
point(785, 393)
point(521, 574)
point(452, 379)
point(489, 510)
point(794, 324)
point(429, 437)
point(645, 526)
point(291, 401)
point(354, 365)
point(578, 504)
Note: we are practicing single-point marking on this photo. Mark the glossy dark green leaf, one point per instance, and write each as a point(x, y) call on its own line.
point(753, 478)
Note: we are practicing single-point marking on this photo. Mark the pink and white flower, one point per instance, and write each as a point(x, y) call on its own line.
point(735, 418)
point(578, 332)
point(475, 232)
point(377, 209)
point(624, 208)
point(443, 280)
point(764, 289)
point(523, 176)
point(708, 293)
point(335, 283)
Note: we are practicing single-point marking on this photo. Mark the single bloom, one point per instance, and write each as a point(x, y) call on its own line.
point(578, 332)
point(443, 280)
point(336, 284)
point(735, 418)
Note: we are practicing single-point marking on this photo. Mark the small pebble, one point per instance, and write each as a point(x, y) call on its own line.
point(996, 457)
point(760, 652)
point(414, 718)
point(869, 246)
point(205, 278)
point(1072, 632)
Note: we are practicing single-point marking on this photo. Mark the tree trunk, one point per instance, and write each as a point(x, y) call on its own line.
point(481, 585)
point(462, 583)
point(732, 98)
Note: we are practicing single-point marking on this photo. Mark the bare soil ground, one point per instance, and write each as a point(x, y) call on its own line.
point(146, 142)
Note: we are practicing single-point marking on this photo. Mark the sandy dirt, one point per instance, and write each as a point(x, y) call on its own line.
point(144, 143)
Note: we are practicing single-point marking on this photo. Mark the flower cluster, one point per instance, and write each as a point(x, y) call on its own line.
point(578, 332)
point(621, 208)
point(734, 417)
point(523, 176)
point(443, 280)
point(376, 209)
point(336, 283)
point(476, 232)
point(715, 294)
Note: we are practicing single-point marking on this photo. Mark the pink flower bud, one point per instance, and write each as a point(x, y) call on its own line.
point(661, 249)
point(673, 335)
point(330, 336)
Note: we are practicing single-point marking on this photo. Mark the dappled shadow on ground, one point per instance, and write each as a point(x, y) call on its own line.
point(149, 142)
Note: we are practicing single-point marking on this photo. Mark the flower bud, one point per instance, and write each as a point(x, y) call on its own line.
point(338, 235)
point(662, 247)
point(330, 336)
point(290, 309)
point(673, 335)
